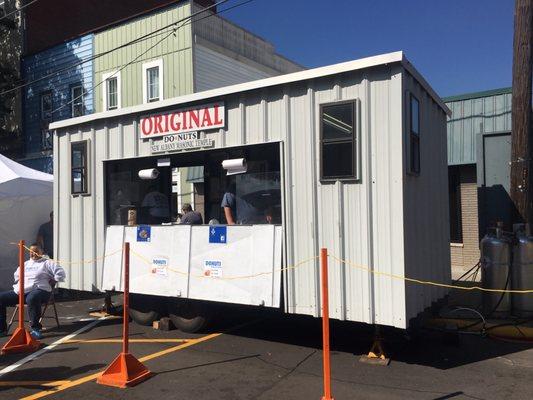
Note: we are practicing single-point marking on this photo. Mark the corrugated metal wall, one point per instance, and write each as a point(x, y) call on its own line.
point(41, 65)
point(213, 70)
point(360, 222)
point(473, 114)
point(426, 211)
point(175, 51)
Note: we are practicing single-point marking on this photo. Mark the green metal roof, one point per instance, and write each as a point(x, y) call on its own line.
point(475, 95)
point(475, 114)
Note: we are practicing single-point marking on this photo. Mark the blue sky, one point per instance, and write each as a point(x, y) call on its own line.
point(460, 46)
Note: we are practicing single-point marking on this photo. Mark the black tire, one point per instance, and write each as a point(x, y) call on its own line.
point(188, 316)
point(144, 310)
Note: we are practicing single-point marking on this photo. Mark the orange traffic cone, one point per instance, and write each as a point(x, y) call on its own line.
point(124, 371)
point(21, 340)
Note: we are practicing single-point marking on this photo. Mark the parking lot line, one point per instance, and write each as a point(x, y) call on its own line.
point(32, 383)
point(99, 341)
point(91, 377)
point(37, 354)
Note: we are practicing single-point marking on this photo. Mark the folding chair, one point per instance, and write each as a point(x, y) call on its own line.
point(51, 302)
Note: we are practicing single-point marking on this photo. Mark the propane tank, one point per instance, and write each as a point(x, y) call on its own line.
point(496, 271)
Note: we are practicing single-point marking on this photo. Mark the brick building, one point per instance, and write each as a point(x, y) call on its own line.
point(479, 151)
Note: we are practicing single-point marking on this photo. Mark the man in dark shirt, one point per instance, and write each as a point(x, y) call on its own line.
point(239, 211)
point(45, 236)
point(190, 217)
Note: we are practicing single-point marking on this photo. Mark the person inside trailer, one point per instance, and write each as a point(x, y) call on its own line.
point(237, 210)
point(190, 217)
point(119, 203)
point(156, 204)
point(40, 275)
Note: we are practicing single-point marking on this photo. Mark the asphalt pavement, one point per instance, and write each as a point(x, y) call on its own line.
point(259, 354)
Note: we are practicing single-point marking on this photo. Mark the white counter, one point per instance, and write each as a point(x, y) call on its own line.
point(182, 261)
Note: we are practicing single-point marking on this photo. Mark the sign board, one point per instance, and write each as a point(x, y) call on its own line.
point(213, 268)
point(184, 120)
point(177, 143)
point(160, 266)
point(144, 233)
point(218, 234)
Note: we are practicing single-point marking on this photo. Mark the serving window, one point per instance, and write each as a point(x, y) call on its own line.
point(171, 181)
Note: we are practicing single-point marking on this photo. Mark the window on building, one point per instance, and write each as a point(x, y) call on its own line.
point(338, 141)
point(46, 106)
point(79, 168)
point(414, 135)
point(46, 139)
point(152, 82)
point(112, 93)
point(454, 190)
point(76, 94)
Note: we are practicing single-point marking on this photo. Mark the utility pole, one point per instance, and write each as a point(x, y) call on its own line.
point(522, 134)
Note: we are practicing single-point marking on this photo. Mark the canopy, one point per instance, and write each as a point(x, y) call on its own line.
point(25, 204)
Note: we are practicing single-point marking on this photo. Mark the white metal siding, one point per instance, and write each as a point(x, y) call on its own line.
point(213, 70)
point(360, 222)
point(426, 226)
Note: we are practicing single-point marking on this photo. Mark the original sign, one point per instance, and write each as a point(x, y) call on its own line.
point(182, 141)
point(205, 117)
point(213, 268)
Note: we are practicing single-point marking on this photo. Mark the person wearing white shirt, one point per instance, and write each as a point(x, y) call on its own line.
point(40, 275)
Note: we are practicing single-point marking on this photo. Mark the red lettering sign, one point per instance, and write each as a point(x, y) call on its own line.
point(211, 116)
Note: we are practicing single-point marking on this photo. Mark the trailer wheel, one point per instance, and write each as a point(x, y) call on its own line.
point(188, 316)
point(144, 310)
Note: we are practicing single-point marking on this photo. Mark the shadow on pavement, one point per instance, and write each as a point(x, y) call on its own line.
point(428, 348)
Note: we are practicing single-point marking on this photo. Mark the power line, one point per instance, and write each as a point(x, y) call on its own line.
point(16, 10)
point(148, 36)
point(173, 32)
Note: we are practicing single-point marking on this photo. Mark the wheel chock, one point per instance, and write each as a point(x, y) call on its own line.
point(124, 371)
point(21, 342)
point(376, 355)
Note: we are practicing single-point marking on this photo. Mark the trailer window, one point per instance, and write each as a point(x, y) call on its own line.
point(414, 135)
point(79, 181)
point(338, 141)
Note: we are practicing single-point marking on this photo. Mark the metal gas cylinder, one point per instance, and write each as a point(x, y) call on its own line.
point(496, 251)
point(522, 277)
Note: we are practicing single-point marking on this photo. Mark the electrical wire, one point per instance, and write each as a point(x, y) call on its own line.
point(173, 31)
point(151, 35)
point(477, 265)
point(16, 10)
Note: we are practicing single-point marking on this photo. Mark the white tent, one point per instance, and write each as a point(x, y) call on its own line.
point(25, 203)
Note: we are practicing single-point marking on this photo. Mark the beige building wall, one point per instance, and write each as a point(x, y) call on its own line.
point(466, 254)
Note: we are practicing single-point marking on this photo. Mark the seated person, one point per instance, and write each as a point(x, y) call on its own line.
point(39, 276)
point(190, 217)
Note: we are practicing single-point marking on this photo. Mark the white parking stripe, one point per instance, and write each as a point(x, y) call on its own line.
point(33, 356)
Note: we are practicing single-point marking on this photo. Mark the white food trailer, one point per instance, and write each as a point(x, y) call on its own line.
point(351, 157)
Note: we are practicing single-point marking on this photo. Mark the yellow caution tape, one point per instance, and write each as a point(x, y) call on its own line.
point(430, 283)
point(299, 264)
